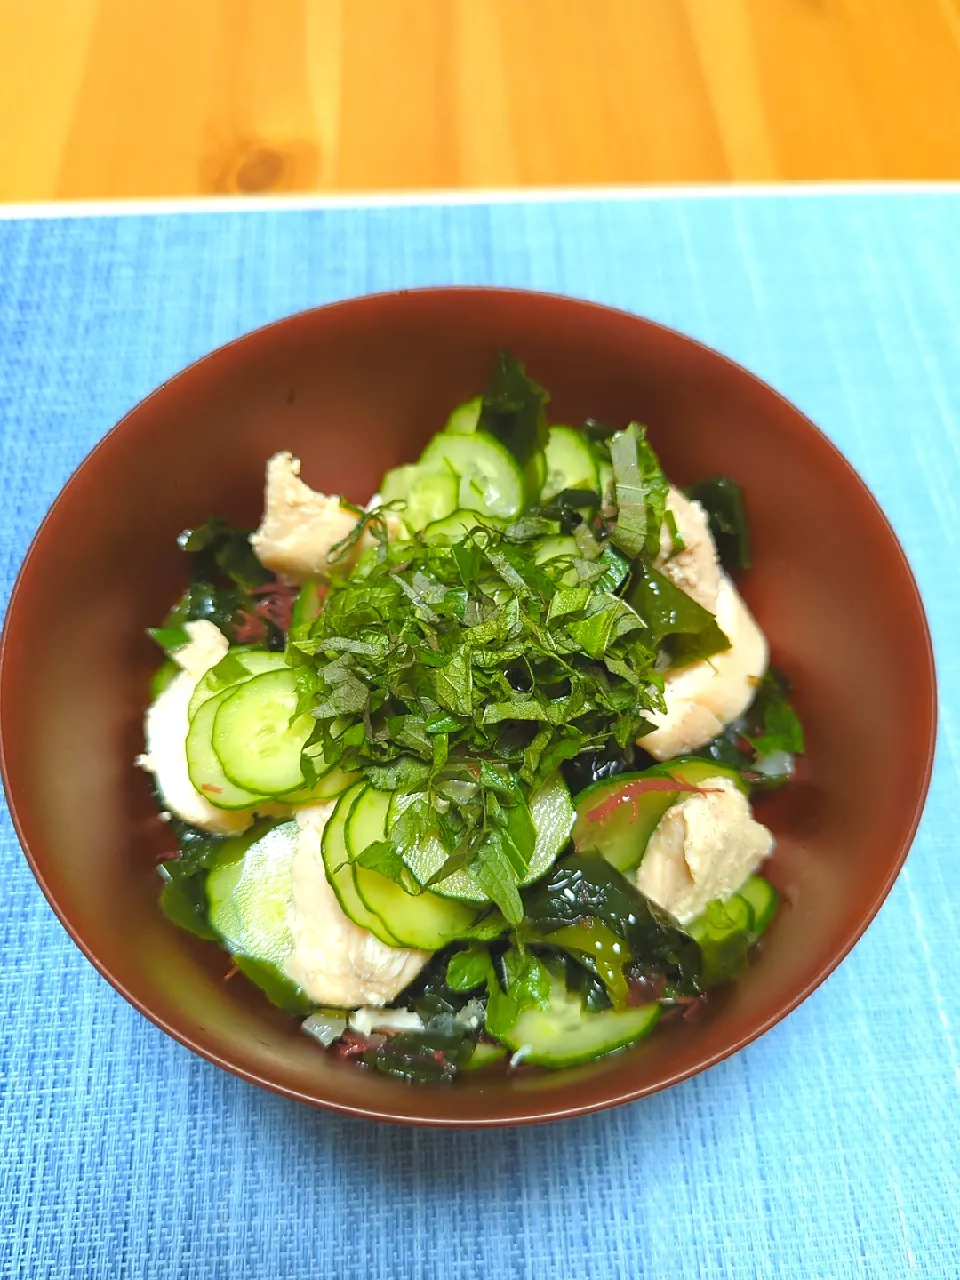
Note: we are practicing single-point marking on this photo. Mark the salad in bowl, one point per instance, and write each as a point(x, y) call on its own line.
point(464, 779)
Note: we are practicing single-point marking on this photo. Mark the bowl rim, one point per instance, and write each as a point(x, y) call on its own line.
point(533, 1115)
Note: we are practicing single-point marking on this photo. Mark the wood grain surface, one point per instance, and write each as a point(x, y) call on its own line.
point(107, 98)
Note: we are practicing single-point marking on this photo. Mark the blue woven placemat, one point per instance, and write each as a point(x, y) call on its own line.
point(831, 1148)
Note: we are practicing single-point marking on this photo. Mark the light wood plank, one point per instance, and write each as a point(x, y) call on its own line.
point(110, 98)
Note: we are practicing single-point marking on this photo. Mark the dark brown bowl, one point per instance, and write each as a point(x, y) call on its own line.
point(358, 387)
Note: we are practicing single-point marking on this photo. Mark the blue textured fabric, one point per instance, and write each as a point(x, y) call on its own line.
point(831, 1148)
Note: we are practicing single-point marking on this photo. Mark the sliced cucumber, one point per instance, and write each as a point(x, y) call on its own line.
point(762, 898)
point(694, 770)
point(221, 880)
point(535, 476)
point(565, 1034)
point(433, 495)
point(203, 764)
point(256, 737)
point(395, 484)
point(571, 463)
point(484, 1055)
point(429, 493)
point(330, 783)
point(557, 549)
point(275, 985)
point(736, 917)
point(724, 934)
point(490, 479)
point(605, 477)
point(553, 548)
point(336, 863)
point(552, 813)
point(465, 418)
point(453, 528)
point(307, 607)
point(367, 822)
point(236, 668)
point(621, 836)
point(373, 815)
point(251, 896)
point(425, 920)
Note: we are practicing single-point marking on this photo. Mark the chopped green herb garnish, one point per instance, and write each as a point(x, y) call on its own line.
point(482, 671)
point(641, 493)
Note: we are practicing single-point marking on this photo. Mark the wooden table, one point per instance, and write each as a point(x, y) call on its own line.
point(105, 98)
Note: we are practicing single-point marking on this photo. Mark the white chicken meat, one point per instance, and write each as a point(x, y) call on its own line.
point(334, 960)
point(300, 527)
point(704, 847)
point(693, 567)
point(166, 735)
point(704, 697)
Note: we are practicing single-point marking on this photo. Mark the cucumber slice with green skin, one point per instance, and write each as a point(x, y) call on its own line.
point(203, 764)
point(555, 549)
point(737, 919)
point(465, 418)
point(694, 770)
point(275, 985)
point(372, 816)
point(433, 495)
point(484, 1055)
point(621, 836)
point(221, 879)
point(571, 463)
point(762, 898)
point(336, 863)
point(566, 1035)
point(395, 484)
point(307, 607)
point(241, 665)
point(552, 813)
point(329, 784)
point(256, 738)
point(455, 527)
point(367, 823)
point(490, 479)
point(535, 476)
point(429, 493)
point(605, 480)
point(250, 896)
point(724, 934)
point(424, 920)
point(250, 893)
